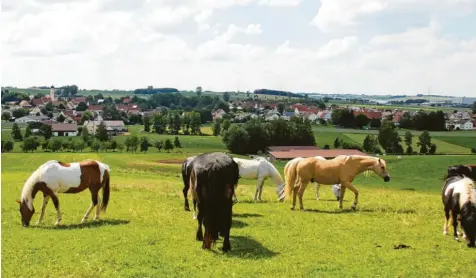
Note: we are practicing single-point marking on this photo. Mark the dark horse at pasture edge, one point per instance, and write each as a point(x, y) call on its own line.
point(213, 178)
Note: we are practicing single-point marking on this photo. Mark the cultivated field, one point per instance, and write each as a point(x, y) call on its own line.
point(146, 232)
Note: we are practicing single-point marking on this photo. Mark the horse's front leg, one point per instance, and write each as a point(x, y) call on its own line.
point(55, 200)
point(447, 222)
point(352, 188)
point(259, 189)
point(46, 198)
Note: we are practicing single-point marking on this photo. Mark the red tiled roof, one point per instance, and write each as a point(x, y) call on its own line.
point(37, 101)
point(64, 127)
point(292, 148)
point(369, 114)
point(95, 107)
point(310, 153)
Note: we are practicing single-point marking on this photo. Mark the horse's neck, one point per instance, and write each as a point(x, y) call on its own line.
point(273, 172)
point(364, 164)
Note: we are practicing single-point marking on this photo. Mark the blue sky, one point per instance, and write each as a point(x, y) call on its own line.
point(353, 46)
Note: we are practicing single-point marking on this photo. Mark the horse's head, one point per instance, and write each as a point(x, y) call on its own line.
point(380, 168)
point(26, 213)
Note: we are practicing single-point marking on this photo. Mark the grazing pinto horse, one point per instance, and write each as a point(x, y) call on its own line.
point(459, 198)
point(292, 165)
point(55, 177)
point(342, 169)
point(213, 179)
point(260, 169)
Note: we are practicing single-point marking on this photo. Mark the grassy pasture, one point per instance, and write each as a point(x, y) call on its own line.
point(146, 232)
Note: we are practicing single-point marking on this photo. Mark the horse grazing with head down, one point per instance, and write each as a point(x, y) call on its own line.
point(291, 166)
point(55, 177)
point(260, 169)
point(459, 198)
point(213, 179)
point(342, 169)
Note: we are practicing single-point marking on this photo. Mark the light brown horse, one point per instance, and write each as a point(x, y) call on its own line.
point(342, 169)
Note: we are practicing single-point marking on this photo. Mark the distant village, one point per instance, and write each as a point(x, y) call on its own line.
point(66, 120)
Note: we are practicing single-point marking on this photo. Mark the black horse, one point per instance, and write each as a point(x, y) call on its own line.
point(213, 178)
point(461, 170)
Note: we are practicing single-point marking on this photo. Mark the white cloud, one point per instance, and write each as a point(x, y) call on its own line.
point(334, 15)
point(280, 3)
point(125, 45)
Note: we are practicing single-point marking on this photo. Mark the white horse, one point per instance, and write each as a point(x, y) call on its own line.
point(261, 169)
point(293, 162)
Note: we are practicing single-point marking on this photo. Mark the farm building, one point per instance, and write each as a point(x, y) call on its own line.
point(29, 119)
point(60, 129)
point(113, 127)
point(290, 148)
point(328, 154)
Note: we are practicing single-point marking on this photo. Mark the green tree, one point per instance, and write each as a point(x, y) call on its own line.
point(177, 143)
point(370, 144)
point(322, 106)
point(81, 106)
point(168, 146)
point(55, 145)
point(408, 138)
point(280, 108)
point(18, 113)
point(216, 128)
point(361, 120)
point(85, 135)
point(474, 107)
point(226, 97)
point(46, 131)
point(159, 145)
point(337, 143)
point(7, 146)
point(27, 131)
point(95, 146)
point(60, 118)
point(80, 146)
point(113, 145)
point(16, 132)
point(432, 149)
point(30, 144)
point(389, 139)
point(236, 139)
point(104, 145)
point(6, 116)
point(198, 90)
point(225, 125)
point(101, 133)
point(120, 147)
point(424, 142)
point(146, 124)
point(144, 144)
point(45, 145)
point(87, 116)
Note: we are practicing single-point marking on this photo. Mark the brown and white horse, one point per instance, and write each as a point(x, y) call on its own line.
point(342, 169)
point(55, 177)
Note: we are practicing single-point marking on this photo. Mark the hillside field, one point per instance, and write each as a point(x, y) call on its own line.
point(146, 233)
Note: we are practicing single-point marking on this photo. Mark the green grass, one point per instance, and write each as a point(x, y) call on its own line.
point(146, 232)
point(467, 142)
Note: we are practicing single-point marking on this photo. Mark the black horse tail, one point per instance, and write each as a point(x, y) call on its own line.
point(105, 190)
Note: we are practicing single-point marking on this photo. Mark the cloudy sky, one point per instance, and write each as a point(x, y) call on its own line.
point(353, 46)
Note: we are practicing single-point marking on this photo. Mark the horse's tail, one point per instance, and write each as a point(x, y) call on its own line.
point(105, 189)
point(290, 176)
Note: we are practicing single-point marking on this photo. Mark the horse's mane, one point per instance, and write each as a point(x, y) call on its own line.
point(26, 193)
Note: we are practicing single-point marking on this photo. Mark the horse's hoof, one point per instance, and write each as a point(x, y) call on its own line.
point(194, 217)
point(353, 208)
point(292, 208)
point(187, 209)
point(445, 233)
point(457, 239)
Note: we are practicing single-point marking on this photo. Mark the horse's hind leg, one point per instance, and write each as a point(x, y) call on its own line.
point(302, 188)
point(94, 202)
point(185, 197)
point(455, 224)
point(447, 222)
point(341, 197)
point(295, 192)
point(46, 198)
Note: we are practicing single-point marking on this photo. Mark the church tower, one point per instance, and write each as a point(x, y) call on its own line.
point(52, 93)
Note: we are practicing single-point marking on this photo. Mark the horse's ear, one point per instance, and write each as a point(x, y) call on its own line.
point(379, 162)
point(18, 201)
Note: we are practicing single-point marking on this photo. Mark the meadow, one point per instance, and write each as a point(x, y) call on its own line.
point(146, 233)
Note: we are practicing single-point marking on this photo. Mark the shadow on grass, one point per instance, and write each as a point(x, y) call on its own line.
point(89, 224)
point(248, 248)
point(372, 210)
point(254, 202)
point(246, 215)
point(237, 224)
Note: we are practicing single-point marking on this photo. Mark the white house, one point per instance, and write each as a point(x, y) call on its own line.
point(29, 119)
point(61, 129)
point(460, 125)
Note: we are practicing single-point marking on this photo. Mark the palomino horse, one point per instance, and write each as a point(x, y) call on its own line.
point(292, 165)
point(55, 177)
point(342, 169)
point(459, 198)
point(261, 169)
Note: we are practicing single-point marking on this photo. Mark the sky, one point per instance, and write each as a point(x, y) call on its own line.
point(328, 46)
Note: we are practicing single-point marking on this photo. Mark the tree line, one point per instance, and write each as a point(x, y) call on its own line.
point(255, 135)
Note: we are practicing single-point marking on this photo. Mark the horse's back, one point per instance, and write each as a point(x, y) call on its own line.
point(54, 175)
